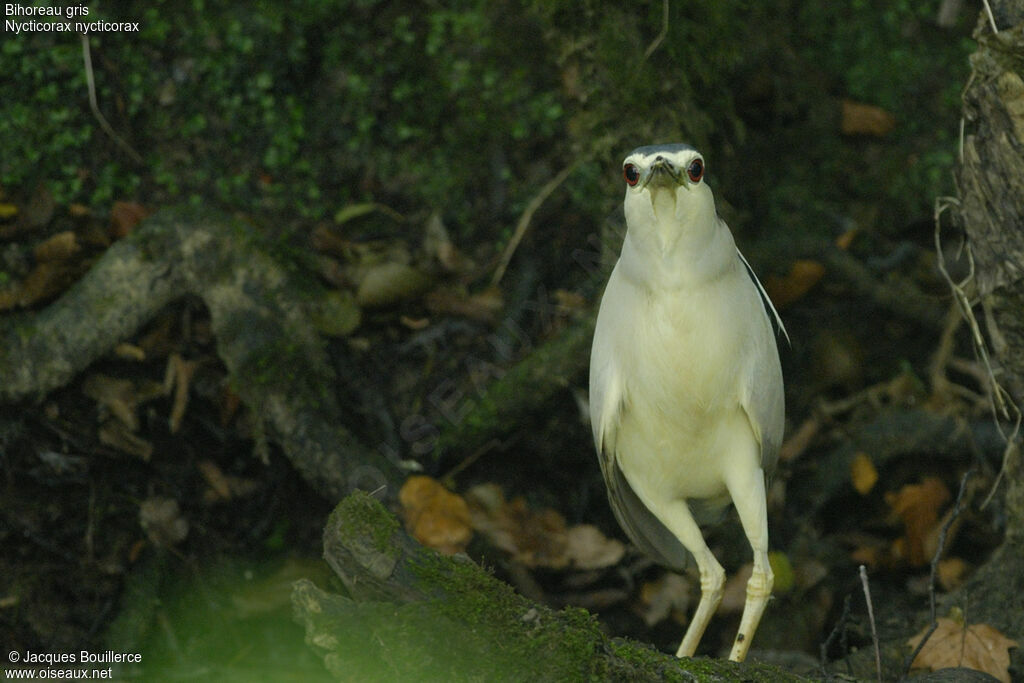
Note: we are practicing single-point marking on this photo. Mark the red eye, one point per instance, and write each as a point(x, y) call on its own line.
point(695, 170)
point(631, 173)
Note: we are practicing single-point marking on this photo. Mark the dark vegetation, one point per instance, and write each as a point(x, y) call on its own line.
point(337, 134)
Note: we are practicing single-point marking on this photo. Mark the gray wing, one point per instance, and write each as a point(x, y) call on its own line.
point(764, 402)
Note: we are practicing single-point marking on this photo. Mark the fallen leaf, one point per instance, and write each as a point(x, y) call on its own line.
point(918, 506)
point(389, 283)
point(668, 595)
point(415, 324)
point(223, 486)
point(435, 516)
point(179, 376)
point(846, 239)
point(483, 306)
point(800, 279)
point(60, 247)
point(116, 434)
point(129, 352)
point(353, 211)
point(865, 119)
point(124, 216)
point(863, 474)
point(588, 548)
point(46, 280)
point(532, 538)
point(214, 476)
point(979, 647)
point(162, 521)
point(951, 572)
point(116, 395)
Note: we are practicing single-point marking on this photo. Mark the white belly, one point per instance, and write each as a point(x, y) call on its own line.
point(683, 363)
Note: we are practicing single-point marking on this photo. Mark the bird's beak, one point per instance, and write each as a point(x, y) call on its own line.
point(663, 173)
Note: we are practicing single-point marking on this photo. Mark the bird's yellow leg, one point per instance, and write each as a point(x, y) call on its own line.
point(748, 495)
point(680, 521)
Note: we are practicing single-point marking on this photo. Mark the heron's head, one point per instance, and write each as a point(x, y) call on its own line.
point(665, 185)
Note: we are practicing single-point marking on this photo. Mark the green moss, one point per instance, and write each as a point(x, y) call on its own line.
point(360, 515)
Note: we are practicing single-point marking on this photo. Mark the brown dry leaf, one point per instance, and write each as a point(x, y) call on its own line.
point(869, 556)
point(802, 277)
point(117, 434)
point(863, 474)
point(865, 119)
point(223, 486)
point(979, 647)
point(179, 376)
point(116, 395)
point(45, 281)
point(162, 521)
point(534, 539)
point(124, 216)
point(918, 506)
point(668, 595)
point(215, 477)
point(60, 247)
point(484, 306)
point(435, 516)
point(951, 573)
point(587, 548)
point(846, 239)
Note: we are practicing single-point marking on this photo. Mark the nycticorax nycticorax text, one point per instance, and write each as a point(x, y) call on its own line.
point(686, 397)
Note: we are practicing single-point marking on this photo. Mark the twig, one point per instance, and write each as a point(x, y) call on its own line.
point(991, 19)
point(91, 83)
point(871, 618)
point(664, 31)
point(1001, 401)
point(838, 632)
point(909, 662)
point(526, 217)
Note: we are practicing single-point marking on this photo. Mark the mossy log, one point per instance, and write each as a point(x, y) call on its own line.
point(259, 315)
point(413, 614)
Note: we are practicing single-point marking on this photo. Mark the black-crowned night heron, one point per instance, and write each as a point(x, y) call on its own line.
point(686, 396)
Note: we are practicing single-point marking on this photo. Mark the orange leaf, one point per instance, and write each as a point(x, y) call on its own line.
point(124, 216)
point(866, 119)
point(802, 276)
point(863, 474)
point(979, 647)
point(435, 516)
point(539, 538)
point(918, 505)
